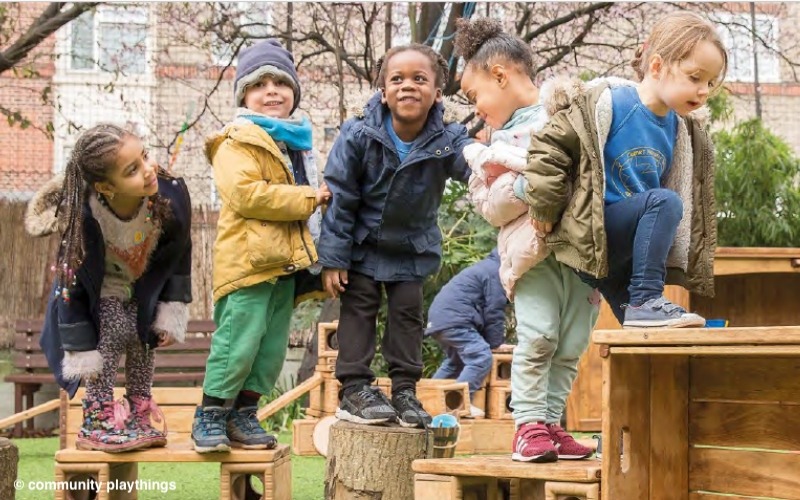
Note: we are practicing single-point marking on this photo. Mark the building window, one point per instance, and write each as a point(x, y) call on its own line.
point(252, 23)
point(111, 38)
point(735, 31)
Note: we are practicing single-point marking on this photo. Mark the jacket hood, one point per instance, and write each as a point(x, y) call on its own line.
point(241, 130)
point(560, 92)
point(40, 215)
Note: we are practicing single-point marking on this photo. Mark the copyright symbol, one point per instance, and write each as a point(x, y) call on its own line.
point(19, 484)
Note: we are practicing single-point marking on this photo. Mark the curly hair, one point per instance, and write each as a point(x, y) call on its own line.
point(482, 41)
point(90, 162)
point(439, 65)
point(674, 38)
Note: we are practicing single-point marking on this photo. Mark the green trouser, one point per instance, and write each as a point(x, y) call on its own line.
point(555, 314)
point(249, 346)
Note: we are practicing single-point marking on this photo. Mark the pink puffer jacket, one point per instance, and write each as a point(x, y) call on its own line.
point(519, 247)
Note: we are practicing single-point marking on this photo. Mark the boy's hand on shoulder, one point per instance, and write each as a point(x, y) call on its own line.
point(542, 228)
point(333, 281)
point(323, 194)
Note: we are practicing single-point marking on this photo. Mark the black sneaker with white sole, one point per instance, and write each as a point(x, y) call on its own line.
point(367, 405)
point(410, 410)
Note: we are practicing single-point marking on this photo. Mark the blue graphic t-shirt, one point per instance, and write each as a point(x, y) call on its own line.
point(403, 147)
point(639, 147)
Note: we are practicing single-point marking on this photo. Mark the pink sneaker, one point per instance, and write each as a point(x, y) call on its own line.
point(568, 448)
point(532, 444)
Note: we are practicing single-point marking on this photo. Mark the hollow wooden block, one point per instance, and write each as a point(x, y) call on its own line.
point(432, 486)
point(571, 491)
point(501, 370)
point(330, 398)
point(444, 396)
point(326, 364)
point(327, 342)
point(315, 396)
point(75, 472)
point(479, 399)
point(275, 476)
point(302, 436)
point(498, 405)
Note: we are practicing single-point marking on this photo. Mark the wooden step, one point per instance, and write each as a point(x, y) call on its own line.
point(578, 471)
point(178, 452)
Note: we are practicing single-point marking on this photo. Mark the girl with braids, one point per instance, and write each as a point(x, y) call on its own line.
point(555, 311)
point(387, 172)
point(122, 281)
point(622, 179)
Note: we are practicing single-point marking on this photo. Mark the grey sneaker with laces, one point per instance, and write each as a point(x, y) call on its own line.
point(208, 429)
point(660, 312)
point(367, 405)
point(244, 430)
point(410, 410)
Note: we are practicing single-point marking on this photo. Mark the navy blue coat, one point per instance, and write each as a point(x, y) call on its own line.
point(72, 325)
point(382, 219)
point(475, 299)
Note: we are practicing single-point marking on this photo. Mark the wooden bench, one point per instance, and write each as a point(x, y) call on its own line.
point(701, 413)
point(491, 477)
point(178, 363)
point(272, 467)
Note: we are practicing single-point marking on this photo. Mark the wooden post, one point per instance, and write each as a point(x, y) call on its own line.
point(370, 462)
point(9, 456)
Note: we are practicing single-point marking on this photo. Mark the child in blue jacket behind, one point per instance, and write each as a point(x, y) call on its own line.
point(467, 318)
point(387, 173)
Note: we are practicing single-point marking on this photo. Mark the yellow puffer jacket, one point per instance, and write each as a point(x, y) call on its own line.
point(262, 231)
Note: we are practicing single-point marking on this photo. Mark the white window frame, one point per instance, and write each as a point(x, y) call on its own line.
point(116, 14)
point(247, 12)
point(740, 44)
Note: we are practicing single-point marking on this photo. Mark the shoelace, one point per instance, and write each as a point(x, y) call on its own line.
point(369, 395)
point(214, 422)
point(121, 412)
point(245, 417)
point(148, 410)
point(412, 402)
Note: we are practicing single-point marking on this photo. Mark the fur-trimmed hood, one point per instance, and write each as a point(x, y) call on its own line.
point(40, 216)
point(560, 92)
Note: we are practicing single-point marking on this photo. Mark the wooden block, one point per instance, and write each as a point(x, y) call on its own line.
point(492, 436)
point(326, 364)
point(74, 472)
point(330, 398)
point(444, 396)
point(302, 436)
point(479, 400)
point(431, 486)
point(571, 491)
point(314, 413)
point(276, 478)
point(315, 397)
point(498, 405)
point(327, 342)
point(501, 370)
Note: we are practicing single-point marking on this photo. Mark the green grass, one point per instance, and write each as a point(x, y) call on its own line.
point(193, 481)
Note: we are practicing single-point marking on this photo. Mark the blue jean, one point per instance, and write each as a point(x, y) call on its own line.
point(469, 357)
point(640, 231)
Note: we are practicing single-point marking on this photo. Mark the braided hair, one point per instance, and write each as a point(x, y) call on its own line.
point(91, 159)
point(439, 65)
point(481, 41)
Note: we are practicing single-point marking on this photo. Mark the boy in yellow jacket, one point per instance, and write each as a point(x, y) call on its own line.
point(269, 219)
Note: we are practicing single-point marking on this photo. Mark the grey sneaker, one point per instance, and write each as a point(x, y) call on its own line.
point(410, 410)
point(366, 406)
point(660, 312)
point(208, 429)
point(245, 432)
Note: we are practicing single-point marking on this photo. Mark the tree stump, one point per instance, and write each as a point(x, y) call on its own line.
point(9, 456)
point(370, 462)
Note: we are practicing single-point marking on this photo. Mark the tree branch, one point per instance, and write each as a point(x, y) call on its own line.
point(544, 28)
point(45, 25)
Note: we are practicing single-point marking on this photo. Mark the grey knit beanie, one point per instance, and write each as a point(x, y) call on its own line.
point(266, 58)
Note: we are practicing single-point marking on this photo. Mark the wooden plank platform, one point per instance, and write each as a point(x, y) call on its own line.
point(178, 452)
point(579, 471)
point(767, 335)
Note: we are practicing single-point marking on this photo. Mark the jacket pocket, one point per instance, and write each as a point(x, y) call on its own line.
point(269, 244)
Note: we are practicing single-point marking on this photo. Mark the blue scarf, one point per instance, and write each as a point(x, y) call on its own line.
point(296, 134)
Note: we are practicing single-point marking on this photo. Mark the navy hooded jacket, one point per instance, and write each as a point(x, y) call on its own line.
point(71, 326)
point(383, 217)
point(475, 299)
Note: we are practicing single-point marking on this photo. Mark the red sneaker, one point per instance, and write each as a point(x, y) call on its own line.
point(532, 444)
point(568, 448)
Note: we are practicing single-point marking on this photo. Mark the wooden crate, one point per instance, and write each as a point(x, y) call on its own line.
point(302, 436)
point(444, 396)
point(498, 402)
point(327, 342)
point(501, 370)
point(725, 398)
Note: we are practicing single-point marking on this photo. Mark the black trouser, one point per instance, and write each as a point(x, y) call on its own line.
point(402, 339)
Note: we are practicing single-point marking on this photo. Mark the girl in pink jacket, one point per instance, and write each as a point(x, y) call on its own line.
point(555, 310)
